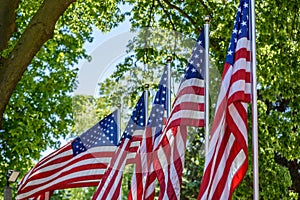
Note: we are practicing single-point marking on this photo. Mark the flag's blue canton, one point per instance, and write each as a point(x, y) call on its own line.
point(240, 29)
point(159, 105)
point(201, 40)
point(104, 133)
point(137, 120)
point(195, 68)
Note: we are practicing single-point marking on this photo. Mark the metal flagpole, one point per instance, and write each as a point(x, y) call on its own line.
point(146, 103)
point(119, 133)
point(169, 59)
point(206, 78)
point(254, 104)
point(119, 121)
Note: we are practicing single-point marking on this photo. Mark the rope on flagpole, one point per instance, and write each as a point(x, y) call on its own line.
point(206, 78)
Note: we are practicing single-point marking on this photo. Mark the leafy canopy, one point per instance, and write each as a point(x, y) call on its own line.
point(39, 111)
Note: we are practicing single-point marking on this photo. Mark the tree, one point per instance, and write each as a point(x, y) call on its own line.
point(42, 113)
point(41, 42)
point(26, 27)
point(278, 71)
point(19, 56)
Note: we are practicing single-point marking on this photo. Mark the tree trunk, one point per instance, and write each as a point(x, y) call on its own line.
point(39, 30)
point(294, 169)
point(7, 21)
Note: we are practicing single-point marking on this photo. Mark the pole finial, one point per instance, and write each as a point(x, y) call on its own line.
point(169, 58)
point(207, 19)
point(146, 86)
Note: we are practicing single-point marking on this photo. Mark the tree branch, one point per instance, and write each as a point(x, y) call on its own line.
point(168, 15)
point(173, 26)
point(146, 36)
point(7, 21)
point(206, 7)
point(151, 13)
point(183, 13)
point(39, 30)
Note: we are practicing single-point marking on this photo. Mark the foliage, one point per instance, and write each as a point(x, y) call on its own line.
point(84, 113)
point(194, 163)
point(278, 71)
point(39, 111)
point(278, 66)
point(74, 193)
point(278, 106)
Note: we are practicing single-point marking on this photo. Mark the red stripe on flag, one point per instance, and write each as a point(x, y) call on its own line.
point(226, 159)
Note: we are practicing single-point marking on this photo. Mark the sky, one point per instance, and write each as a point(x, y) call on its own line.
point(106, 50)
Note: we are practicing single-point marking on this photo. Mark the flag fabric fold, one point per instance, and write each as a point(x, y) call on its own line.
point(44, 196)
point(139, 189)
point(110, 185)
point(227, 159)
point(80, 163)
point(187, 110)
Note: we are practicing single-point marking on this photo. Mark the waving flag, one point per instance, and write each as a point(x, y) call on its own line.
point(187, 110)
point(110, 185)
point(80, 163)
point(227, 159)
point(143, 164)
point(44, 196)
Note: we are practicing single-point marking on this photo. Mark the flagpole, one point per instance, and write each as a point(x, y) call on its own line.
point(206, 78)
point(119, 121)
point(119, 133)
point(146, 86)
point(254, 104)
point(169, 59)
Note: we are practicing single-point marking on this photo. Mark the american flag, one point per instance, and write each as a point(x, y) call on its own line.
point(187, 110)
point(44, 196)
point(80, 163)
point(143, 164)
point(227, 159)
point(110, 185)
